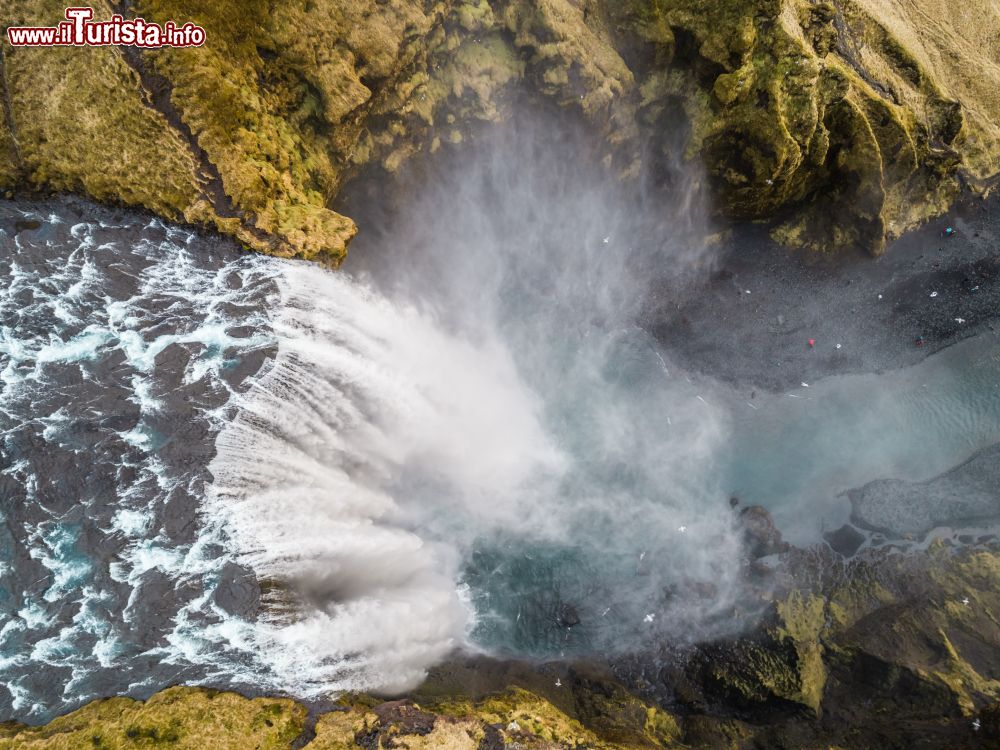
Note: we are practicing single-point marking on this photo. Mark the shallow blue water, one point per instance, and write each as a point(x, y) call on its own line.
point(798, 452)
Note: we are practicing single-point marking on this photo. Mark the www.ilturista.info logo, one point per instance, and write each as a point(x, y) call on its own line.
point(79, 31)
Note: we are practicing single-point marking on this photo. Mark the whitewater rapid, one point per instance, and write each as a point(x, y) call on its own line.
point(121, 339)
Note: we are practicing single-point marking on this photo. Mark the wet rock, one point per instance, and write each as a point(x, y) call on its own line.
point(26, 225)
point(567, 616)
point(173, 359)
point(159, 595)
point(846, 540)
point(179, 517)
point(238, 592)
point(238, 370)
point(760, 535)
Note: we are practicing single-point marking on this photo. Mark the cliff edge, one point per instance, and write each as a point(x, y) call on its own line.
point(844, 121)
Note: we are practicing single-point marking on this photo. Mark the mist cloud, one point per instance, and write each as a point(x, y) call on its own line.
point(467, 428)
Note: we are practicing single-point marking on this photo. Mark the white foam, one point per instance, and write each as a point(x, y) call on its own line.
point(81, 347)
point(303, 480)
point(132, 522)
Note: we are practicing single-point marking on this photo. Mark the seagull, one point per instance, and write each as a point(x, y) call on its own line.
point(607, 240)
point(558, 682)
point(933, 295)
point(682, 529)
point(805, 385)
point(975, 725)
point(965, 601)
point(650, 617)
point(959, 320)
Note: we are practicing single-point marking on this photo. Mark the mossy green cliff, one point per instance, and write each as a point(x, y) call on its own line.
point(848, 121)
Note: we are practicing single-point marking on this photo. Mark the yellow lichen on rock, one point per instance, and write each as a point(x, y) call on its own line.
point(803, 619)
point(182, 718)
point(860, 119)
point(852, 121)
point(249, 109)
point(190, 718)
point(341, 730)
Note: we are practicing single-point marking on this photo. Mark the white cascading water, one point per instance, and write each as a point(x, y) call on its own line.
point(490, 390)
point(464, 440)
point(359, 389)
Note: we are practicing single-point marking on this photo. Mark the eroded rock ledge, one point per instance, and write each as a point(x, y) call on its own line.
point(850, 120)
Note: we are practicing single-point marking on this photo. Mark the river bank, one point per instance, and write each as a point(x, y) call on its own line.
point(750, 322)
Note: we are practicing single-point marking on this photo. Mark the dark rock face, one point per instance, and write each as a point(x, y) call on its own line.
point(759, 532)
point(238, 592)
point(567, 616)
point(846, 540)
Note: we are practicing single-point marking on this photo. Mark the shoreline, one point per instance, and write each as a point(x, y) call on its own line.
point(749, 323)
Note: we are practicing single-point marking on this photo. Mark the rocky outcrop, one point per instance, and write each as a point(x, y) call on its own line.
point(195, 719)
point(856, 118)
point(883, 651)
point(848, 120)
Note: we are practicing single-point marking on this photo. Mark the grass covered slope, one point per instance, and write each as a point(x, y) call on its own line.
point(81, 125)
point(182, 718)
point(850, 120)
